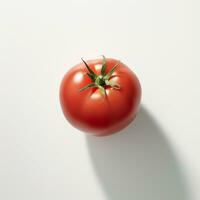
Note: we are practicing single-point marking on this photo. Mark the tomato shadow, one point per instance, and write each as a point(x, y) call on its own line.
point(138, 163)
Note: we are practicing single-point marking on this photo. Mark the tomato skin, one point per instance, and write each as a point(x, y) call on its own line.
point(94, 112)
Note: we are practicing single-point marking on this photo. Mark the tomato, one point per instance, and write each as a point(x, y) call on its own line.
point(100, 96)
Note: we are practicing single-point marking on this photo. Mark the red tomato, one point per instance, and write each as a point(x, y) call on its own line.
point(100, 96)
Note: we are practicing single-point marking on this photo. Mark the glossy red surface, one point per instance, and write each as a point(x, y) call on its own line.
point(94, 112)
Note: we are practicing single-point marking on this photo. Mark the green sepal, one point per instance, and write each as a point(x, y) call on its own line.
point(89, 69)
point(100, 81)
point(103, 69)
point(91, 77)
point(91, 85)
point(112, 71)
point(113, 85)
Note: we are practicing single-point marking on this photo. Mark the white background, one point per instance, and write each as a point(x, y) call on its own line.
point(42, 157)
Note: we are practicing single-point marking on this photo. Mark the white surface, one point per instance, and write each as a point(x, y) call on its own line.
point(42, 157)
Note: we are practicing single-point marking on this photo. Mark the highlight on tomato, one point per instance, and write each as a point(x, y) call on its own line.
point(100, 96)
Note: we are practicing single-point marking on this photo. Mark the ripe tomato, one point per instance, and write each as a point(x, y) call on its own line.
point(100, 96)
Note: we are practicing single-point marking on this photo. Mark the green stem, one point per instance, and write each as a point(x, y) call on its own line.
point(103, 80)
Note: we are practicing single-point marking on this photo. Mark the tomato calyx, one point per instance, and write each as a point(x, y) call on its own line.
point(102, 80)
